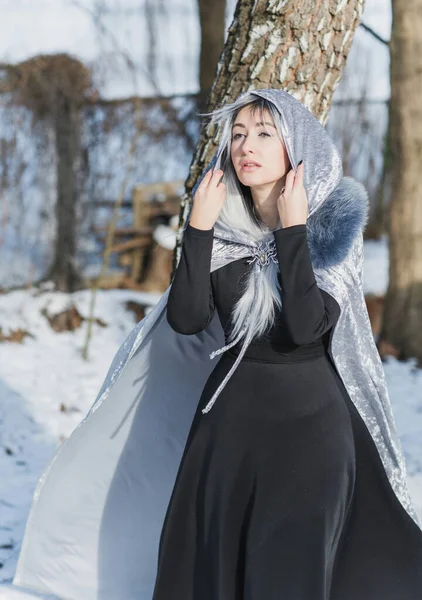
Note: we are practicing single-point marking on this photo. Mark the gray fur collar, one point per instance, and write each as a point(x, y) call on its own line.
point(333, 227)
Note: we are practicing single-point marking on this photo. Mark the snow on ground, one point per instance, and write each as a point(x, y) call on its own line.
point(45, 389)
point(47, 371)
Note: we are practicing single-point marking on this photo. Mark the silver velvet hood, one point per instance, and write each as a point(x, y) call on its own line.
point(98, 510)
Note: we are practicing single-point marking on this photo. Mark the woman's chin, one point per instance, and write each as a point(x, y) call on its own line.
point(251, 179)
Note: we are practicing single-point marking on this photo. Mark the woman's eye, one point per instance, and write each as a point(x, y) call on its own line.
point(236, 135)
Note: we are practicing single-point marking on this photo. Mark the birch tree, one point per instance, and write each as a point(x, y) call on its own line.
point(298, 45)
point(402, 322)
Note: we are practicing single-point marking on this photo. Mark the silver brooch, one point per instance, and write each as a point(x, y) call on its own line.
point(263, 253)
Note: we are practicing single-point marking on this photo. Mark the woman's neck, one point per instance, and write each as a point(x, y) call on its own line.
point(265, 202)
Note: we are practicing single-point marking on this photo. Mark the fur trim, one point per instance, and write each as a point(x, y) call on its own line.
point(333, 227)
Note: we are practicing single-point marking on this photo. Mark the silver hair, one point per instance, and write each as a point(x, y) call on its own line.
point(254, 312)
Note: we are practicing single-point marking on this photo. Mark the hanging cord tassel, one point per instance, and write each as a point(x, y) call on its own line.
point(241, 353)
point(229, 374)
point(224, 348)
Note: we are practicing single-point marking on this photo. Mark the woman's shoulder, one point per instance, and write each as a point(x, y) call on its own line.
point(333, 228)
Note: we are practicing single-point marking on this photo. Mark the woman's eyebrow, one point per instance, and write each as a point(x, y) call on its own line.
point(256, 124)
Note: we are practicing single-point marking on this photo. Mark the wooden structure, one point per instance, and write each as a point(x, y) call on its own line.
point(157, 200)
point(138, 253)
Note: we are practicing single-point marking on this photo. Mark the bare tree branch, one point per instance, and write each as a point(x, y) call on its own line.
point(374, 34)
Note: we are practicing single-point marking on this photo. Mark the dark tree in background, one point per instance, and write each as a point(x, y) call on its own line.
point(55, 88)
point(67, 123)
point(212, 24)
point(401, 333)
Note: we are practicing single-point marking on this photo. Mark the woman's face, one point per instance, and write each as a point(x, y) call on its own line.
point(258, 154)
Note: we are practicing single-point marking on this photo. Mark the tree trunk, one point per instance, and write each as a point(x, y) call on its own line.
point(212, 19)
point(402, 322)
point(68, 148)
point(383, 195)
point(297, 45)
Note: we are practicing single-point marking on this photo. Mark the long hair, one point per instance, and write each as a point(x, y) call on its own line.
point(254, 312)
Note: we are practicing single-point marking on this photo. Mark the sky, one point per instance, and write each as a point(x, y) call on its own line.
point(29, 27)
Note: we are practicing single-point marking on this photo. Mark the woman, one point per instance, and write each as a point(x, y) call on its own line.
point(266, 496)
point(287, 479)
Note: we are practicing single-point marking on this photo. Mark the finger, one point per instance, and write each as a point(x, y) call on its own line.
point(290, 177)
point(299, 176)
point(205, 180)
point(216, 177)
point(300, 170)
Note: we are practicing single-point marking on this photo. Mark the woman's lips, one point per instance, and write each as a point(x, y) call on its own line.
point(249, 168)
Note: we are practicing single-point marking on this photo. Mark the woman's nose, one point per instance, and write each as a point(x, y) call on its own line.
point(247, 147)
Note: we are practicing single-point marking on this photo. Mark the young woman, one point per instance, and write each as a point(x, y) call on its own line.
point(278, 472)
point(277, 476)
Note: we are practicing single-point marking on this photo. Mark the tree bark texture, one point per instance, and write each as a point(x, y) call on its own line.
point(402, 321)
point(298, 45)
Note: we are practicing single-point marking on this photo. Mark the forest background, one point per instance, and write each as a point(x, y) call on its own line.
point(100, 96)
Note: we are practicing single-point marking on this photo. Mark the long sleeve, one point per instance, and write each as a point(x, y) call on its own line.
point(308, 311)
point(190, 305)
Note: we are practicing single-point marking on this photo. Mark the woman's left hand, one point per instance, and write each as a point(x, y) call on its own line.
point(292, 203)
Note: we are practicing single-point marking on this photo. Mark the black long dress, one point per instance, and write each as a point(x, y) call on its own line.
point(280, 493)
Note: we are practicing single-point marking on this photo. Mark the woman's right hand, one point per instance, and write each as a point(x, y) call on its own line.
point(208, 200)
